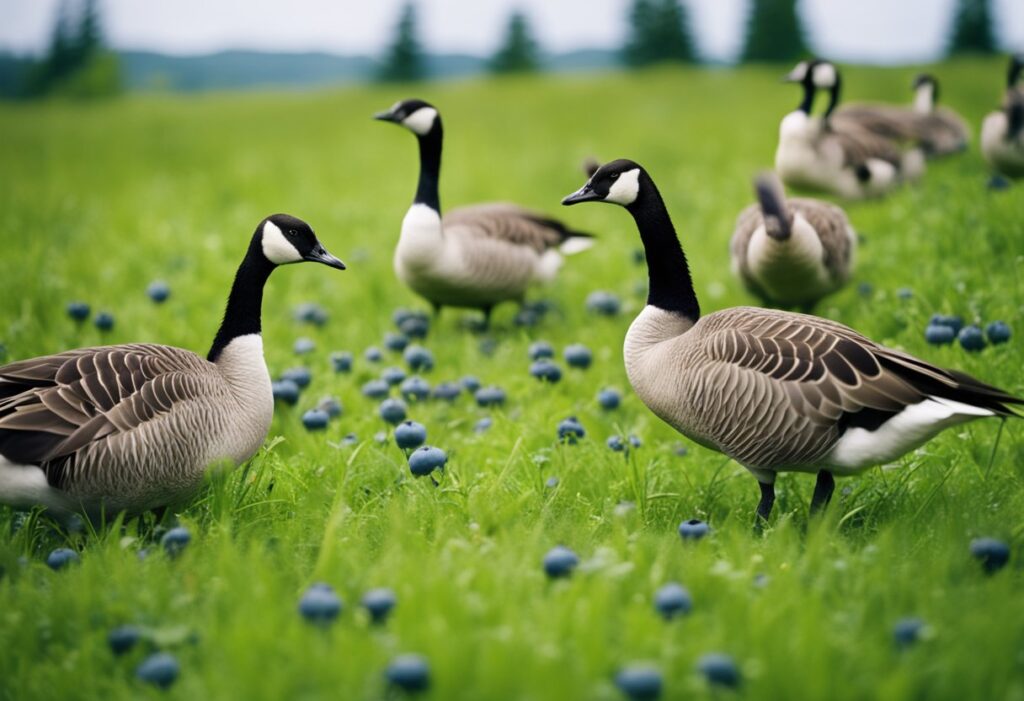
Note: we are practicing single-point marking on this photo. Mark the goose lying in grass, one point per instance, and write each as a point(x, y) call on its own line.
point(133, 427)
point(791, 253)
point(478, 256)
point(776, 391)
point(1002, 132)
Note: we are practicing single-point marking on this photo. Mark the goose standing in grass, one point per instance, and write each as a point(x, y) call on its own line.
point(791, 253)
point(478, 256)
point(938, 131)
point(844, 159)
point(1002, 132)
point(134, 427)
point(775, 391)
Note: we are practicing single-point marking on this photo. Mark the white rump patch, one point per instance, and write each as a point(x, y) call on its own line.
point(276, 247)
point(421, 121)
point(625, 189)
point(575, 244)
point(824, 75)
point(548, 265)
point(24, 486)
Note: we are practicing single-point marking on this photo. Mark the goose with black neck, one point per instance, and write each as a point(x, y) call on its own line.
point(776, 391)
point(133, 427)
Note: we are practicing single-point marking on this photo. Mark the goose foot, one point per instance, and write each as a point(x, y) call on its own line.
point(823, 489)
point(764, 507)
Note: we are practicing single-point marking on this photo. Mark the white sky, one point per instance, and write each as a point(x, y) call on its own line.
point(867, 30)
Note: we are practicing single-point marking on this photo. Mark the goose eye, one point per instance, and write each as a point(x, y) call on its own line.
point(293, 232)
point(614, 176)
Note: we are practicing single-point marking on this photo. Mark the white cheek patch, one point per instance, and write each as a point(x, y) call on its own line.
point(824, 75)
point(625, 189)
point(421, 121)
point(276, 247)
point(798, 73)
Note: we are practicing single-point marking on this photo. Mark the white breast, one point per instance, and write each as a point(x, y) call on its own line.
point(243, 367)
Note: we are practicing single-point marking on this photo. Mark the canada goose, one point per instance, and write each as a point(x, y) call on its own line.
point(1002, 132)
point(938, 131)
point(134, 427)
point(791, 253)
point(475, 256)
point(844, 159)
point(775, 391)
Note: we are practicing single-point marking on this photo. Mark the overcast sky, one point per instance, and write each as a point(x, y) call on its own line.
point(869, 30)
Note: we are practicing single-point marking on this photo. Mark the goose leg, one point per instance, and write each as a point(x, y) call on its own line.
point(437, 310)
point(487, 318)
point(823, 489)
point(764, 507)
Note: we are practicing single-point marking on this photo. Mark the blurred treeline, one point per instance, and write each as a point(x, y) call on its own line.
point(78, 63)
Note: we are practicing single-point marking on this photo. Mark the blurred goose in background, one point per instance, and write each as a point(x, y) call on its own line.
point(791, 253)
point(775, 391)
point(1002, 132)
point(844, 159)
point(133, 427)
point(476, 256)
point(938, 131)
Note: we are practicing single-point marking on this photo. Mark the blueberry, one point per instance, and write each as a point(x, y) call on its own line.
point(526, 318)
point(61, 558)
point(393, 376)
point(470, 383)
point(997, 332)
point(379, 602)
point(939, 335)
point(315, 420)
point(570, 430)
point(410, 434)
point(302, 346)
point(123, 638)
point(998, 183)
point(373, 354)
point(489, 396)
point(578, 356)
point(395, 342)
point(410, 673)
point(426, 459)
point(551, 482)
point(865, 289)
point(392, 410)
point(415, 389)
point(604, 303)
point(483, 424)
point(640, 683)
point(616, 443)
point(104, 321)
point(375, 389)
point(311, 313)
point(400, 315)
point(719, 669)
point(907, 631)
point(540, 349)
point(160, 669)
point(176, 540)
point(320, 604)
point(448, 391)
point(331, 406)
point(79, 311)
point(300, 376)
point(694, 529)
point(341, 361)
point(635, 441)
point(904, 293)
point(609, 398)
point(680, 450)
point(418, 358)
point(350, 439)
point(672, 600)
point(560, 561)
point(415, 327)
point(951, 320)
point(971, 338)
point(992, 553)
point(546, 371)
point(158, 291)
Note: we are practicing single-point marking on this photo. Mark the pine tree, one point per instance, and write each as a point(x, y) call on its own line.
point(774, 32)
point(659, 31)
point(76, 64)
point(972, 28)
point(518, 53)
point(404, 59)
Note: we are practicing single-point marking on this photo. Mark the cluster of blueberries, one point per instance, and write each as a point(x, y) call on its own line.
point(943, 329)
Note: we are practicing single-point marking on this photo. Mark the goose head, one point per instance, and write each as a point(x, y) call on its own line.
point(417, 116)
point(926, 92)
point(814, 75)
point(617, 182)
point(1016, 66)
point(284, 239)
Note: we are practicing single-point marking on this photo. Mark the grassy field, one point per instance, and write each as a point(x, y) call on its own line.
point(97, 200)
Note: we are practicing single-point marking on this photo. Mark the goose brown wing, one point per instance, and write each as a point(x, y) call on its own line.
point(511, 223)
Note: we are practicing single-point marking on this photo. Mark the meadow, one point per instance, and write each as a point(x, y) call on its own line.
point(99, 199)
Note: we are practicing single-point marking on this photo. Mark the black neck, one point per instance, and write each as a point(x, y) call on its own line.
point(430, 167)
point(242, 315)
point(808, 100)
point(1014, 118)
point(670, 286)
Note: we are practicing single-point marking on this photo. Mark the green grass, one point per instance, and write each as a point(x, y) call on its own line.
point(99, 199)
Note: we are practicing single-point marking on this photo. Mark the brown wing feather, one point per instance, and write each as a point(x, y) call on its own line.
point(512, 223)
